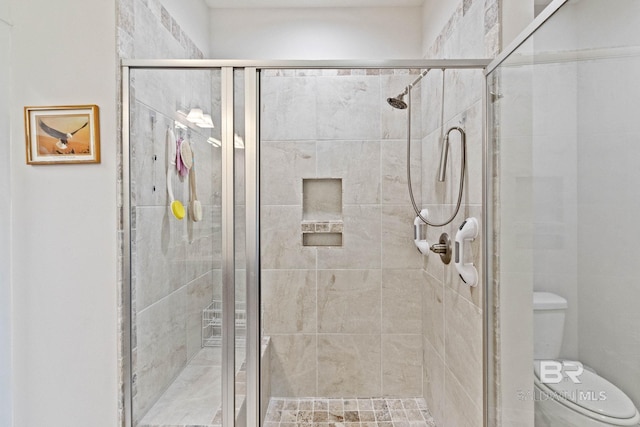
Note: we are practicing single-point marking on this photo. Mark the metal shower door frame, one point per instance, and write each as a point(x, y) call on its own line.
point(252, 70)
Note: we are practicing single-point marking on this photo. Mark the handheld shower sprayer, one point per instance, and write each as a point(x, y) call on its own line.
point(399, 103)
point(442, 169)
point(445, 151)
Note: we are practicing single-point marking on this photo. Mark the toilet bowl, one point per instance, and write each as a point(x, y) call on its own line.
point(586, 400)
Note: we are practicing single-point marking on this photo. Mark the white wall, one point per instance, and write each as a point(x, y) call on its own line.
point(316, 33)
point(5, 227)
point(193, 18)
point(64, 222)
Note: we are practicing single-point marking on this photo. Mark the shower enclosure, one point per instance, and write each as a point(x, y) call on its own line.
point(563, 198)
point(299, 293)
point(299, 296)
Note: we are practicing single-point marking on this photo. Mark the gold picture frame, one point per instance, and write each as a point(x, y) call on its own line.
point(62, 134)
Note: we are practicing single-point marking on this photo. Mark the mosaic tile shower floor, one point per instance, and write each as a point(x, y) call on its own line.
point(360, 412)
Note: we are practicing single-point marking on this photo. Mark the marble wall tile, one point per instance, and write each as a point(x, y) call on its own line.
point(348, 107)
point(199, 246)
point(288, 110)
point(125, 43)
point(161, 347)
point(470, 121)
point(357, 163)
point(433, 382)
point(155, 40)
point(289, 298)
point(282, 241)
point(398, 248)
point(402, 365)
point(433, 319)
point(431, 102)
point(402, 301)
point(433, 191)
point(394, 171)
point(360, 242)
point(340, 309)
point(189, 399)
point(148, 156)
point(208, 170)
point(153, 88)
point(159, 260)
point(463, 349)
point(125, 16)
point(199, 296)
point(284, 165)
point(470, 42)
point(459, 409)
point(463, 36)
point(345, 364)
point(349, 301)
point(293, 365)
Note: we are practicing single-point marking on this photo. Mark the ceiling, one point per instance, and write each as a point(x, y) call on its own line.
point(242, 4)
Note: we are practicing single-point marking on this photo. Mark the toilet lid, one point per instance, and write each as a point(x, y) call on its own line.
point(593, 393)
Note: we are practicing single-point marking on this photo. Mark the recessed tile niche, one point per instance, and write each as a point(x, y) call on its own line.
point(322, 212)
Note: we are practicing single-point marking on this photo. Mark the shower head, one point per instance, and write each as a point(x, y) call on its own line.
point(397, 102)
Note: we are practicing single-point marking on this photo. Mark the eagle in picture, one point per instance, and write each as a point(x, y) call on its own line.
point(63, 138)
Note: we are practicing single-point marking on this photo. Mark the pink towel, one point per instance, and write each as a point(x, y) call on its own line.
point(182, 169)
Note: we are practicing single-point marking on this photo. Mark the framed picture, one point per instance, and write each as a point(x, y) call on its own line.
point(65, 134)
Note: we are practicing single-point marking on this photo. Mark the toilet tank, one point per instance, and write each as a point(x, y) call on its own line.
point(548, 324)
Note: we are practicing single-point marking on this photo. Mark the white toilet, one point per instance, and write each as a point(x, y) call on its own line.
point(594, 402)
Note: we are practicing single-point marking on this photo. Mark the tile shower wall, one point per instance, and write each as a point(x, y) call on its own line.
point(343, 321)
point(175, 268)
point(452, 312)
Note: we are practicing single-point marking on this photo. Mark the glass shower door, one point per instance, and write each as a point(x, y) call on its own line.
point(564, 175)
point(181, 246)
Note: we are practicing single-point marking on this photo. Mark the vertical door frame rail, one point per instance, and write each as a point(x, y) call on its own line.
point(252, 243)
point(252, 70)
point(228, 249)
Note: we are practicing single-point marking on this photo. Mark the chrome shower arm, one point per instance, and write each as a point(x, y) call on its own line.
point(415, 82)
